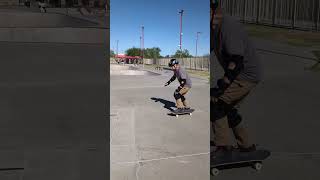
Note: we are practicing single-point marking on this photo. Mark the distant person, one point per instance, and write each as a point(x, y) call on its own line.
point(242, 72)
point(27, 3)
point(42, 6)
point(185, 85)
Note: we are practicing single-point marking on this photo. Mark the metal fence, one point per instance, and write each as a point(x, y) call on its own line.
point(295, 14)
point(199, 63)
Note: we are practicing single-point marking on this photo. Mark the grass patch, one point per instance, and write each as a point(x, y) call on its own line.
point(317, 54)
point(288, 36)
point(204, 74)
point(316, 66)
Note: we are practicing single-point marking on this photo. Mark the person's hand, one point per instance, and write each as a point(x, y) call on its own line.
point(166, 84)
point(213, 99)
point(216, 92)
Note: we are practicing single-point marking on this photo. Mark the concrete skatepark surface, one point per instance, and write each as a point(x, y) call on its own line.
point(53, 104)
point(25, 26)
point(146, 143)
point(129, 70)
point(36, 19)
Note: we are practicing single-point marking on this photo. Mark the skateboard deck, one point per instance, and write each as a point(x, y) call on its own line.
point(182, 113)
point(238, 159)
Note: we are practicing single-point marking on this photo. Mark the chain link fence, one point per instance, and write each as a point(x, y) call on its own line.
point(295, 14)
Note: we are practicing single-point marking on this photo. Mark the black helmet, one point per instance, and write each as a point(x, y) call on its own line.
point(173, 62)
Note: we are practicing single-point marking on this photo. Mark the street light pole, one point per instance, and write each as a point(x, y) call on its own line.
point(197, 41)
point(181, 14)
point(142, 44)
point(117, 47)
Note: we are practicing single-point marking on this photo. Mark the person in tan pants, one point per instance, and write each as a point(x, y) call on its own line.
point(185, 85)
point(238, 58)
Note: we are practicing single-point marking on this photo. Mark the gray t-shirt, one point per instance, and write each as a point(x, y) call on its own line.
point(235, 41)
point(180, 74)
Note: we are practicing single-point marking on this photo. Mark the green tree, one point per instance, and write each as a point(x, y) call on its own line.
point(152, 53)
point(184, 54)
point(112, 54)
point(133, 51)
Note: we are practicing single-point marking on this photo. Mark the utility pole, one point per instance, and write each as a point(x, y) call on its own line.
point(181, 14)
point(195, 64)
point(117, 47)
point(197, 43)
point(142, 44)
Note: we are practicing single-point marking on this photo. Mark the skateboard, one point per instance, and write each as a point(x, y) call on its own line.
point(238, 159)
point(189, 111)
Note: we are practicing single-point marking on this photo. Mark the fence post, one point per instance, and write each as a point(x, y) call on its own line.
point(202, 64)
point(274, 12)
point(244, 10)
point(294, 13)
point(317, 16)
point(258, 11)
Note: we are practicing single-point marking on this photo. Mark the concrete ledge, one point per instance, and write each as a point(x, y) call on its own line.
point(57, 35)
point(37, 19)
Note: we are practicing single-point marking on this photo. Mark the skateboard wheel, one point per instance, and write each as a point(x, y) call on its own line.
point(257, 166)
point(177, 115)
point(190, 114)
point(215, 171)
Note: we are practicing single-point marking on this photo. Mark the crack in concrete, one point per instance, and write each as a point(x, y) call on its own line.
point(160, 159)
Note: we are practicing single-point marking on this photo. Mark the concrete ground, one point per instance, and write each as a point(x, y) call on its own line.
point(146, 143)
point(282, 114)
point(53, 100)
point(53, 116)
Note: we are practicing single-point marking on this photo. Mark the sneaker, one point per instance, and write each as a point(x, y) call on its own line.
point(179, 110)
point(248, 149)
point(221, 151)
point(187, 108)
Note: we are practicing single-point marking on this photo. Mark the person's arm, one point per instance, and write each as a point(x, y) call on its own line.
point(171, 80)
point(233, 54)
point(233, 69)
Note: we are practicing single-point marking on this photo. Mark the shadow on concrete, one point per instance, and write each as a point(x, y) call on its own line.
point(167, 104)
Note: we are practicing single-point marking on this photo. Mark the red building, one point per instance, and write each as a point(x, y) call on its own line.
point(121, 58)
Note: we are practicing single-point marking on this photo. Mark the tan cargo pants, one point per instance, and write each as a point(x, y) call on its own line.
point(235, 93)
point(181, 103)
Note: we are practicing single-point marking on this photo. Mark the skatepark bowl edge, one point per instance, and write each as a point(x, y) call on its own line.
point(129, 70)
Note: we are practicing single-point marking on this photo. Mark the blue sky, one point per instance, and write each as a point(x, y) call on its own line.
point(162, 24)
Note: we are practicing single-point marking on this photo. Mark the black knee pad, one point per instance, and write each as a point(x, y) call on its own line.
point(177, 95)
point(219, 110)
point(234, 118)
point(183, 98)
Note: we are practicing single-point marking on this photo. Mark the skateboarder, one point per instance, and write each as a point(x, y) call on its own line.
point(185, 84)
point(42, 6)
point(238, 58)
